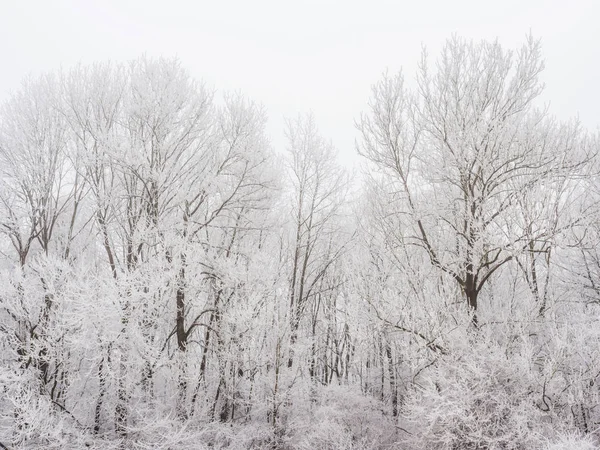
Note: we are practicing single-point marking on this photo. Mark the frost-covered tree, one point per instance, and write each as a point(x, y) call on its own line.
point(461, 150)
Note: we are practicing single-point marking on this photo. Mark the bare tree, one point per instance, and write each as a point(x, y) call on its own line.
point(319, 187)
point(460, 151)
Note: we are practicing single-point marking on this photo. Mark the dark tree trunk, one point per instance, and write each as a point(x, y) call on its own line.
point(101, 393)
point(471, 292)
point(392, 375)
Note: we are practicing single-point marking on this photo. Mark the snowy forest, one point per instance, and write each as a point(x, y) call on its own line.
point(172, 280)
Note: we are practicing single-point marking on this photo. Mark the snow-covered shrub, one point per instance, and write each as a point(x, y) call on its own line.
point(477, 397)
point(572, 441)
point(29, 420)
point(337, 417)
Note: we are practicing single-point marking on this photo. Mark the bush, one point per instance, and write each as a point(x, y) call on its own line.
point(479, 397)
point(572, 441)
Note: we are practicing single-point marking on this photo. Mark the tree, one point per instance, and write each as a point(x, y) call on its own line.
point(319, 186)
point(460, 151)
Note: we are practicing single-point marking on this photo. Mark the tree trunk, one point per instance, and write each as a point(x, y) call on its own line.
point(392, 375)
point(100, 401)
point(471, 292)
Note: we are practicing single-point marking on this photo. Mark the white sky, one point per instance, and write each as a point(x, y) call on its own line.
point(304, 55)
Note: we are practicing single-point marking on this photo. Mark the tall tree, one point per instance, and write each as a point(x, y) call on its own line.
point(460, 151)
point(318, 192)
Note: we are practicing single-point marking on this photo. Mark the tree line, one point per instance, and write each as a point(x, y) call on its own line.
point(169, 280)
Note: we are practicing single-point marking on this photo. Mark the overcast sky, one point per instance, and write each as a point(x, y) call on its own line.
point(304, 55)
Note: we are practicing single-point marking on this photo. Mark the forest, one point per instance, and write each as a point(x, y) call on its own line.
point(171, 280)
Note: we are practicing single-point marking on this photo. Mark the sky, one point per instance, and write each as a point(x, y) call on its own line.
point(296, 57)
